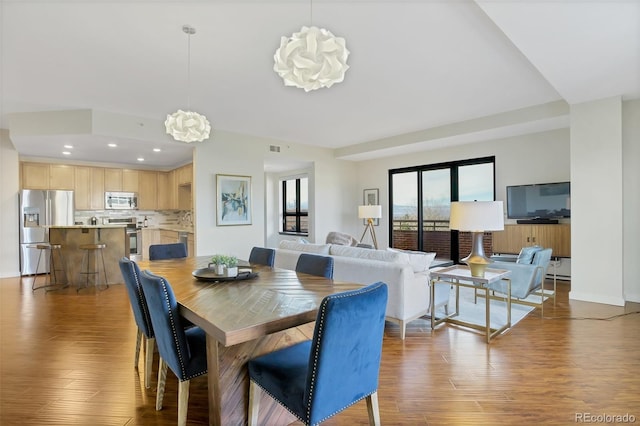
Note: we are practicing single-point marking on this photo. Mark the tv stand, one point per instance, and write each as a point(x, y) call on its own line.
point(537, 221)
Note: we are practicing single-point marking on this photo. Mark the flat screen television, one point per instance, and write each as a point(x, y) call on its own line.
point(539, 203)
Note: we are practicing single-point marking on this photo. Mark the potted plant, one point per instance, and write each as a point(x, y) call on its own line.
point(231, 263)
point(225, 265)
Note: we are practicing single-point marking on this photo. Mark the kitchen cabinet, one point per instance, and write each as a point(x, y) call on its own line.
point(89, 188)
point(35, 176)
point(148, 190)
point(130, 180)
point(61, 176)
point(184, 174)
point(165, 191)
point(149, 237)
point(514, 237)
point(191, 245)
point(113, 180)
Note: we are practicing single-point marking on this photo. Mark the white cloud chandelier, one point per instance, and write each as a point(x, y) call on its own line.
point(311, 59)
point(188, 126)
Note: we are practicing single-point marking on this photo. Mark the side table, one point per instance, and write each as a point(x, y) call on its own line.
point(460, 276)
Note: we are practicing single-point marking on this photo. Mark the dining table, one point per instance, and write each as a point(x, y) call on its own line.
point(262, 310)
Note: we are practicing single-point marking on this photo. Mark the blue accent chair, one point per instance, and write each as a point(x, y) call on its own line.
point(167, 251)
point(317, 379)
point(131, 275)
point(262, 256)
point(313, 264)
point(182, 350)
point(527, 277)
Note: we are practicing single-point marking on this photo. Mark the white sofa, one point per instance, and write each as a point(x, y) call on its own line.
point(406, 275)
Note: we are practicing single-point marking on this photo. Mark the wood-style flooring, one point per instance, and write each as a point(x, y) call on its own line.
point(67, 359)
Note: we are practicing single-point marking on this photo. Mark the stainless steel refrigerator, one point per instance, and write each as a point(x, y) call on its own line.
point(38, 209)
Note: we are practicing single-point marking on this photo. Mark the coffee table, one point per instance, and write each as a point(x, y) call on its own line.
point(460, 276)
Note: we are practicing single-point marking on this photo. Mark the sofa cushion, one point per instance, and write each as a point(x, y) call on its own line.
point(419, 260)
point(526, 254)
point(307, 248)
point(368, 254)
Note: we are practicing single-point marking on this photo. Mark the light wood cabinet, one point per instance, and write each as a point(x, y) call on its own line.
point(149, 237)
point(130, 180)
point(514, 237)
point(89, 188)
point(164, 191)
point(61, 176)
point(168, 237)
point(147, 190)
point(191, 252)
point(113, 180)
point(35, 176)
point(184, 174)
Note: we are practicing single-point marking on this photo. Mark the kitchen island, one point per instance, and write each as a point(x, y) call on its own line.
point(72, 237)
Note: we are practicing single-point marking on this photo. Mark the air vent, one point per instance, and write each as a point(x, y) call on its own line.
point(274, 148)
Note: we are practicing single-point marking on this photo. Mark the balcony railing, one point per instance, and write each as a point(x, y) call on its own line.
point(427, 225)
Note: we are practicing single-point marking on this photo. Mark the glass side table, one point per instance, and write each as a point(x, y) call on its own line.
point(460, 276)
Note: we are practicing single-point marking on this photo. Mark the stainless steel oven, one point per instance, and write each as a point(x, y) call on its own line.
point(134, 234)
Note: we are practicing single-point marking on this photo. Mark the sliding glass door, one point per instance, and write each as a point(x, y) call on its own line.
point(420, 202)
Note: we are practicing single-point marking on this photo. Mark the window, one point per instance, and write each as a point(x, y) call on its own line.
point(295, 206)
point(421, 197)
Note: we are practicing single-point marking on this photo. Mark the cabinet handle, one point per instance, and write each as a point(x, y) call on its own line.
point(528, 239)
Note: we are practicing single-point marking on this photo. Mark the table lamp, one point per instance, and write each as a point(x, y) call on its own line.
point(477, 217)
point(370, 212)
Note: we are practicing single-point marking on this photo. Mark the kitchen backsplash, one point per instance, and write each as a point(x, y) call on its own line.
point(181, 218)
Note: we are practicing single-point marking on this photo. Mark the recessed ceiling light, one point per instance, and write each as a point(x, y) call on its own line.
point(140, 159)
point(68, 146)
point(112, 145)
point(66, 153)
point(156, 150)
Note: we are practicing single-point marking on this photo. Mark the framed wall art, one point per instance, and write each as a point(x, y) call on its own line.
point(233, 200)
point(370, 198)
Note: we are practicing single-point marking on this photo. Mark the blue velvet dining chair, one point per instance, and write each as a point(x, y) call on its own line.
point(313, 264)
point(317, 379)
point(167, 251)
point(262, 256)
point(131, 276)
point(184, 351)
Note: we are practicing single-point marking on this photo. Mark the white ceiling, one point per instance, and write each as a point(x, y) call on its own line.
point(415, 65)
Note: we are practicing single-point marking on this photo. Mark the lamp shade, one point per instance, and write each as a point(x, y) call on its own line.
point(369, 212)
point(477, 216)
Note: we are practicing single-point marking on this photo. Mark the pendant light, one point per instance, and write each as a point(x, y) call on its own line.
point(188, 126)
point(311, 58)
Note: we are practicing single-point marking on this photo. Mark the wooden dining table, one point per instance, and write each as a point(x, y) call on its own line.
point(243, 319)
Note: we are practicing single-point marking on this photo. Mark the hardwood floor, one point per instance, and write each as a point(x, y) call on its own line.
point(67, 359)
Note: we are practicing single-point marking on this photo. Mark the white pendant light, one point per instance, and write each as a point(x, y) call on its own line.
point(188, 126)
point(311, 59)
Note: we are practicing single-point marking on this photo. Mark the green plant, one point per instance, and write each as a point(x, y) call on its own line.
point(221, 259)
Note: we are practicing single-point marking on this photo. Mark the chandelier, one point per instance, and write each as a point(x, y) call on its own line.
point(311, 58)
point(188, 126)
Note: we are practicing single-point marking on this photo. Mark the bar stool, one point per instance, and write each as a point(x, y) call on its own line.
point(90, 249)
point(54, 267)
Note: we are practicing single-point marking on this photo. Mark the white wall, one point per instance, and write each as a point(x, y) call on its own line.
point(596, 200)
point(9, 187)
point(331, 191)
point(631, 195)
point(534, 158)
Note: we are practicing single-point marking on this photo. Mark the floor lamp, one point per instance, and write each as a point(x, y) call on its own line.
point(369, 213)
point(477, 217)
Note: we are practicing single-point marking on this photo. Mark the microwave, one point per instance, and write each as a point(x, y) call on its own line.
point(120, 200)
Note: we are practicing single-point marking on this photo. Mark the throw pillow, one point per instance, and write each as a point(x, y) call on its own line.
point(307, 248)
point(419, 260)
point(526, 254)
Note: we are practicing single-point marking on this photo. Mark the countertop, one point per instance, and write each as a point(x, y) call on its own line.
point(175, 228)
point(116, 225)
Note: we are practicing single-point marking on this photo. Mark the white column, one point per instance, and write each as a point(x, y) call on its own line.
point(596, 202)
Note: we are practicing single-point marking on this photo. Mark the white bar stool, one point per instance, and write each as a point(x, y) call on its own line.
point(53, 282)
